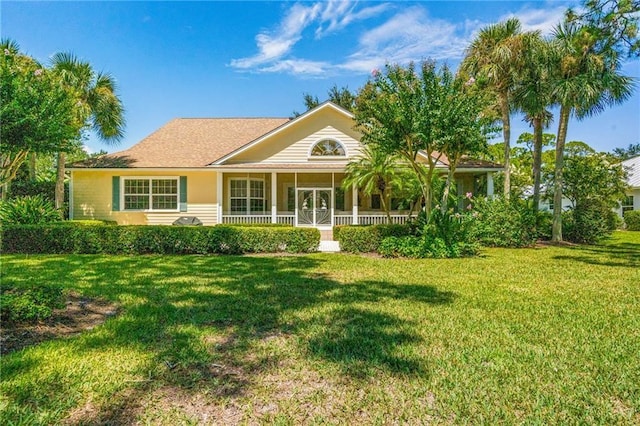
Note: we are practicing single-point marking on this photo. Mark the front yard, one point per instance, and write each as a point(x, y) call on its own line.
point(545, 335)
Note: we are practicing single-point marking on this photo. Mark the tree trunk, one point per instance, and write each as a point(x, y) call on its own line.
point(447, 187)
point(537, 161)
point(556, 231)
point(32, 166)
point(62, 157)
point(506, 133)
point(385, 207)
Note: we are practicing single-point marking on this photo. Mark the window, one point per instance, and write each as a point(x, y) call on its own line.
point(375, 202)
point(627, 204)
point(328, 148)
point(339, 194)
point(291, 198)
point(246, 196)
point(150, 194)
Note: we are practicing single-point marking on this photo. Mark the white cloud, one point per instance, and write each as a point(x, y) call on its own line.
point(272, 46)
point(543, 20)
point(408, 36)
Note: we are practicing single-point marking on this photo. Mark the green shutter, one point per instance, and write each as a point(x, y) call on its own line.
point(183, 193)
point(115, 202)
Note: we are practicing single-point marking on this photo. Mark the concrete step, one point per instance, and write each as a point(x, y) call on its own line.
point(329, 246)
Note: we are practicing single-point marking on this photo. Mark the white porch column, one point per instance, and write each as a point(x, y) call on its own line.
point(355, 204)
point(274, 197)
point(219, 195)
point(490, 184)
point(295, 197)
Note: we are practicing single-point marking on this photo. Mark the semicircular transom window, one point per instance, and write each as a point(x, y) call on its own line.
point(328, 147)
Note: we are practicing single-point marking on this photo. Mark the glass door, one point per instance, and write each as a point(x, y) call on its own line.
point(314, 207)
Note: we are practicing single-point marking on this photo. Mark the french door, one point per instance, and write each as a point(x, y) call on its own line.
point(314, 207)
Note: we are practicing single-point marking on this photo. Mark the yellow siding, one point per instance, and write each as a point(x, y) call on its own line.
point(293, 144)
point(92, 197)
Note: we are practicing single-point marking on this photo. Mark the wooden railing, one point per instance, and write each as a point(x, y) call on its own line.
point(289, 218)
point(243, 218)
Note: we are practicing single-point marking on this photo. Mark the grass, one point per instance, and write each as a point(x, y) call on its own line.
point(545, 335)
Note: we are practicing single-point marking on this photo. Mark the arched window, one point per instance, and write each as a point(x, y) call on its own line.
point(328, 147)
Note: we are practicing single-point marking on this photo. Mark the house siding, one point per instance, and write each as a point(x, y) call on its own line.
point(293, 144)
point(92, 197)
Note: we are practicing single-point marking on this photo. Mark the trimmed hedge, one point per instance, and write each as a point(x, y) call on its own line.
point(632, 220)
point(367, 238)
point(156, 239)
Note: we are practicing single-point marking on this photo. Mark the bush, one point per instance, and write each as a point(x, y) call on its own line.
point(632, 220)
point(24, 188)
point(589, 224)
point(504, 223)
point(31, 303)
point(367, 238)
point(70, 237)
point(28, 210)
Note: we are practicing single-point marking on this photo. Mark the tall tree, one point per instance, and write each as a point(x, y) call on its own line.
point(398, 111)
point(36, 112)
point(532, 95)
point(495, 58)
point(374, 172)
point(587, 80)
point(98, 107)
point(633, 150)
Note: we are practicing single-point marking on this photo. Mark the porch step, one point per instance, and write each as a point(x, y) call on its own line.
point(329, 246)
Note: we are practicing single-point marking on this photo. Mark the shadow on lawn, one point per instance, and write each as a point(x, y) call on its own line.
point(204, 317)
point(609, 254)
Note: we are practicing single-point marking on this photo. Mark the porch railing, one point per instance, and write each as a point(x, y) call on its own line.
point(243, 218)
point(290, 219)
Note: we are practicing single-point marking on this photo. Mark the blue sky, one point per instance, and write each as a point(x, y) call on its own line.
point(256, 59)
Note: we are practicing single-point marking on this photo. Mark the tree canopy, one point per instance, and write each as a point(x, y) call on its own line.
point(37, 112)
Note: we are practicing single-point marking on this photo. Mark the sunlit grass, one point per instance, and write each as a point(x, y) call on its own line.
point(545, 335)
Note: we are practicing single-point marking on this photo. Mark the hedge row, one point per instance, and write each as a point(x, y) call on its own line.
point(367, 238)
point(632, 220)
point(156, 239)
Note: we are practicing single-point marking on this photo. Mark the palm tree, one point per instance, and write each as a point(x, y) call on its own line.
point(495, 59)
point(373, 172)
point(99, 108)
point(533, 97)
point(587, 80)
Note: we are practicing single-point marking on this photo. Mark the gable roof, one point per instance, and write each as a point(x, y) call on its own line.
point(323, 106)
point(188, 142)
point(633, 168)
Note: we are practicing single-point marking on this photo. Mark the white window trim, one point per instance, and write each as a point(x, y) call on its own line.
point(328, 157)
point(628, 207)
point(248, 211)
point(150, 209)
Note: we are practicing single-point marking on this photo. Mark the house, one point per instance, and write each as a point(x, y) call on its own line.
point(242, 170)
point(632, 200)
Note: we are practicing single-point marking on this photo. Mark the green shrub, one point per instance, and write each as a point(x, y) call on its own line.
point(29, 210)
point(589, 224)
point(504, 223)
point(68, 237)
point(24, 188)
point(632, 220)
point(30, 303)
point(367, 238)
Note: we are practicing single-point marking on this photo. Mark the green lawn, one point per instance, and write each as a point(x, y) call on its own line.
point(546, 335)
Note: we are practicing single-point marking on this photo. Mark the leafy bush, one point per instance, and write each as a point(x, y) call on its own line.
point(30, 303)
point(589, 224)
point(632, 220)
point(504, 223)
point(444, 235)
point(29, 210)
point(367, 238)
point(68, 237)
point(24, 188)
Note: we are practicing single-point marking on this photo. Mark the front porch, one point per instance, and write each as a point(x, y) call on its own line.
point(314, 199)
